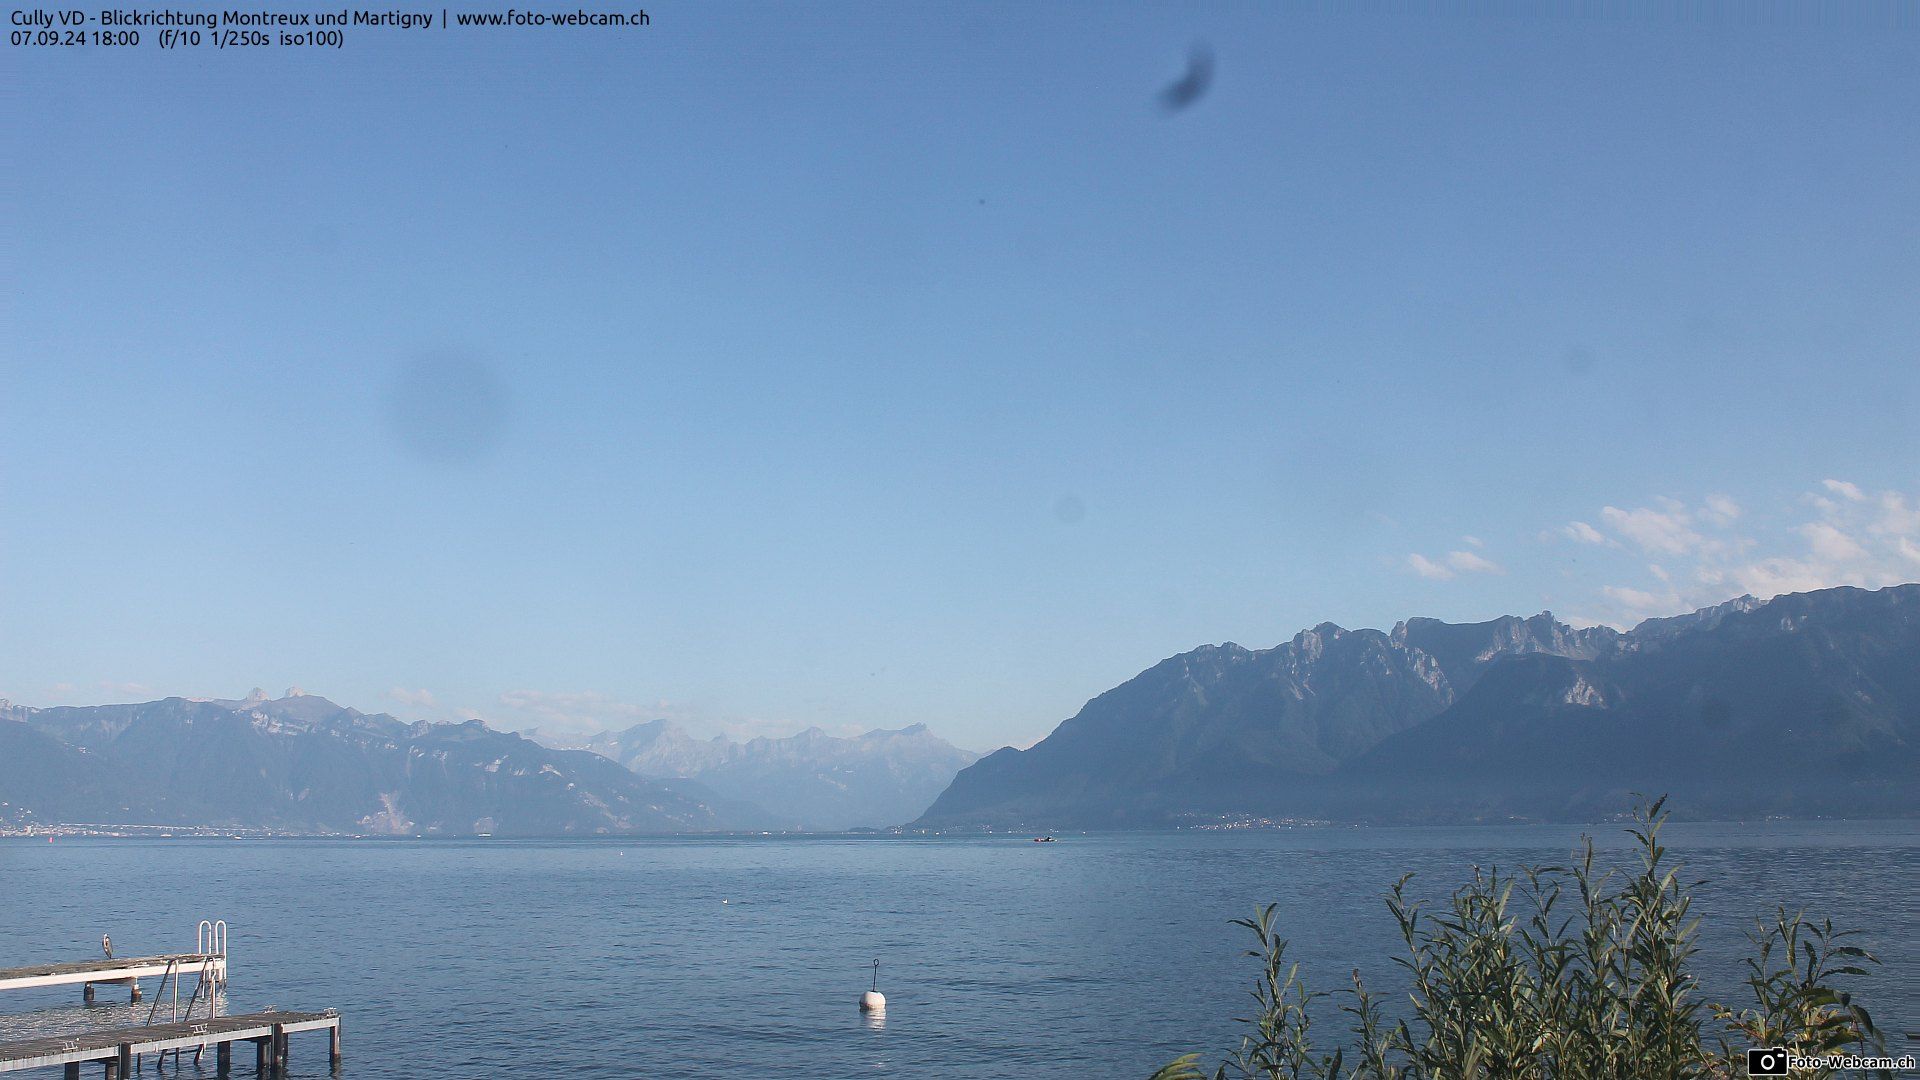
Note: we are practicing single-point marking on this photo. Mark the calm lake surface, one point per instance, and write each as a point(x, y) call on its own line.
point(1098, 956)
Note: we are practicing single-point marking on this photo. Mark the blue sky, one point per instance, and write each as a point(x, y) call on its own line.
point(868, 365)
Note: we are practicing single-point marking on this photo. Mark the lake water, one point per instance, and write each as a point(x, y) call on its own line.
point(1098, 956)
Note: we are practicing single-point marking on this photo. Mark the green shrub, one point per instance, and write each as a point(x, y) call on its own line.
point(1556, 972)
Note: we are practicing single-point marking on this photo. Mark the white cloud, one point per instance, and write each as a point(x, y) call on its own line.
point(1849, 491)
point(1712, 550)
point(419, 699)
point(1768, 578)
point(1864, 540)
point(1830, 544)
point(1467, 562)
point(1453, 564)
point(1667, 532)
point(1895, 519)
point(1474, 541)
point(1585, 533)
point(1720, 510)
point(1907, 549)
point(1637, 604)
point(1860, 538)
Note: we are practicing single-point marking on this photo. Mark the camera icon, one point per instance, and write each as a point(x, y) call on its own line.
point(1767, 1061)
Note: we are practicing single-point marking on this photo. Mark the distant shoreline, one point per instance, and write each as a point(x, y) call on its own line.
point(76, 831)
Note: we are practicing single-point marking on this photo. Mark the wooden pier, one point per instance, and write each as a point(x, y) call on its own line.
point(127, 971)
point(118, 1050)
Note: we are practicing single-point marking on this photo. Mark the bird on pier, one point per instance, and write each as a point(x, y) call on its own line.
point(106, 945)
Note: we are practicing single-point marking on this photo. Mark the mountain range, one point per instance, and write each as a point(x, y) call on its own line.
point(305, 764)
point(302, 763)
point(1808, 704)
point(812, 780)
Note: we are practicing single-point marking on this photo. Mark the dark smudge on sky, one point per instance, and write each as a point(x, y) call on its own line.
point(1192, 86)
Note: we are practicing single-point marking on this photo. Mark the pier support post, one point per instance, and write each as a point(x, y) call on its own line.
point(262, 1057)
point(223, 1059)
point(280, 1048)
point(333, 1045)
point(110, 1068)
point(86, 993)
point(126, 1061)
point(72, 1071)
point(135, 983)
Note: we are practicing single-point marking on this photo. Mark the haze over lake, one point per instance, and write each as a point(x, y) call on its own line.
point(1101, 955)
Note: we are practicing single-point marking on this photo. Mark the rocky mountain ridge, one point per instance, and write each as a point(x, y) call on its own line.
point(1805, 704)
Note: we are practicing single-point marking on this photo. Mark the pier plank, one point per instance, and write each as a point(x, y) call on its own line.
point(118, 970)
point(107, 1045)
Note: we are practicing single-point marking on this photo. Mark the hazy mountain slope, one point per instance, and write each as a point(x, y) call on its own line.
point(814, 780)
point(1222, 720)
point(39, 773)
point(1296, 709)
point(662, 748)
point(1807, 704)
point(302, 762)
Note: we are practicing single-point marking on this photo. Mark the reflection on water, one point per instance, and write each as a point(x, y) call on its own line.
point(29, 1014)
point(1096, 956)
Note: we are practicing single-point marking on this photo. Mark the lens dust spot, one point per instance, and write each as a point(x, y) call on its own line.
point(1192, 85)
point(448, 409)
point(1579, 360)
point(1069, 509)
point(323, 239)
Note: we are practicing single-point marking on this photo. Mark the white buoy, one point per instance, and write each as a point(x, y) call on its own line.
point(873, 1001)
